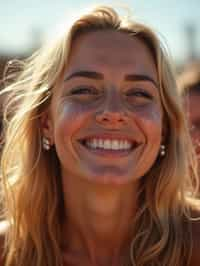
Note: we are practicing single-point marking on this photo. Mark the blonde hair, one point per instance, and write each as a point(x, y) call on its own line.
point(31, 177)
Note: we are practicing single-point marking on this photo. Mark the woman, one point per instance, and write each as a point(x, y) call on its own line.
point(96, 157)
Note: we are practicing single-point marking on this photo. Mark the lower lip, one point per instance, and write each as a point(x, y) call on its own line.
point(108, 153)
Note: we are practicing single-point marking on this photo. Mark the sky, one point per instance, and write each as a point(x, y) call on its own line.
point(23, 23)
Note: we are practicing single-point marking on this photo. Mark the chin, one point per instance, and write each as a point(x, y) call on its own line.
point(112, 177)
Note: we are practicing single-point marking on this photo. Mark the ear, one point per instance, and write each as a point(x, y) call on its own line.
point(46, 125)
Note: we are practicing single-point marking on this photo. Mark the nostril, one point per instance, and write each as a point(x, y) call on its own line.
point(104, 118)
point(111, 117)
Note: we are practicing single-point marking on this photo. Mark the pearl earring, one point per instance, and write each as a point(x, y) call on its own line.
point(46, 144)
point(162, 150)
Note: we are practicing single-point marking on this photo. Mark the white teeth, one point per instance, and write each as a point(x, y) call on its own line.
point(100, 143)
point(126, 144)
point(115, 145)
point(108, 144)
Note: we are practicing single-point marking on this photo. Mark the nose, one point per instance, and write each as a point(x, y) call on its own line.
point(112, 114)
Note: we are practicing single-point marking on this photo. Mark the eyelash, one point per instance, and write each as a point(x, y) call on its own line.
point(94, 91)
point(139, 93)
point(84, 91)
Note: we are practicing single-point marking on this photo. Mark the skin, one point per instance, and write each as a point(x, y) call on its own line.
point(101, 187)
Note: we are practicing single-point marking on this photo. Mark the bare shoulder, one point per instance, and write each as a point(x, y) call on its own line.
point(195, 230)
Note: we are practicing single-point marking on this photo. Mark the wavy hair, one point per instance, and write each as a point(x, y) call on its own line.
point(33, 197)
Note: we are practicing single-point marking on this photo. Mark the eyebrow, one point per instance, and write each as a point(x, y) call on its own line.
point(99, 76)
point(139, 77)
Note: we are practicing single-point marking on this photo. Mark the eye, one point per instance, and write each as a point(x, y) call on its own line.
point(139, 93)
point(84, 91)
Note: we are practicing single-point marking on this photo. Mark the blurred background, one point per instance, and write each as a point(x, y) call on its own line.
point(24, 25)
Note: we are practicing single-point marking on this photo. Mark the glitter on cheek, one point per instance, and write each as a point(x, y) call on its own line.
point(155, 115)
point(70, 112)
point(73, 114)
point(148, 112)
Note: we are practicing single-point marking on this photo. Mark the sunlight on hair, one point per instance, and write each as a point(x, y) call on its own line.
point(34, 200)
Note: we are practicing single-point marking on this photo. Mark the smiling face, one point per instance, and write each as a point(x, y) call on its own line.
point(106, 116)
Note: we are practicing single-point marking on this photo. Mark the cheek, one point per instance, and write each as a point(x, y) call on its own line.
point(151, 126)
point(69, 118)
point(150, 119)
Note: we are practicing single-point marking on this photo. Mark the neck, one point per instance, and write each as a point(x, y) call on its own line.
point(99, 222)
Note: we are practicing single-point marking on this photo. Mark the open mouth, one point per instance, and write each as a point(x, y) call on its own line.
point(109, 145)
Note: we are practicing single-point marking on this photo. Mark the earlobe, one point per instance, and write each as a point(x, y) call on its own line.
point(46, 125)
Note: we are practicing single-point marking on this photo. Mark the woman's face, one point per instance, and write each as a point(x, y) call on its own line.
point(106, 114)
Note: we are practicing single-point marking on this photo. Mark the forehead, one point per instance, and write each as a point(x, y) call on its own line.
point(111, 51)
